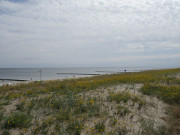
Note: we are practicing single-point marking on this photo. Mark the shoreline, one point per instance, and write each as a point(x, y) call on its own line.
point(34, 73)
point(31, 81)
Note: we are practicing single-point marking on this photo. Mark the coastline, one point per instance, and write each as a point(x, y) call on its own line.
point(52, 73)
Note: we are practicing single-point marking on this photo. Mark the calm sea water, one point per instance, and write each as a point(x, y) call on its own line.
point(35, 74)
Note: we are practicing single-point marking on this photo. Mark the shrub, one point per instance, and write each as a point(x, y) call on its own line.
point(20, 106)
point(122, 110)
point(121, 96)
point(74, 127)
point(20, 120)
point(1, 116)
point(63, 116)
point(100, 127)
point(58, 104)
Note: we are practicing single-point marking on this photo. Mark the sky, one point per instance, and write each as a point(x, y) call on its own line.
point(89, 33)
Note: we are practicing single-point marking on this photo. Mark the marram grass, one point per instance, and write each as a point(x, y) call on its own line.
point(169, 94)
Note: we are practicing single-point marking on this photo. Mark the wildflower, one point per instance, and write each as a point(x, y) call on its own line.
point(87, 129)
point(92, 101)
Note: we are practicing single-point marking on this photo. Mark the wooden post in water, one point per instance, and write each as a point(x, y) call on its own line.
point(40, 74)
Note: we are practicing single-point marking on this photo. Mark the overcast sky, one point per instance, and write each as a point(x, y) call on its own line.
point(89, 33)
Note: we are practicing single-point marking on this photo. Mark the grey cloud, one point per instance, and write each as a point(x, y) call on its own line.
point(18, 1)
point(32, 58)
point(94, 32)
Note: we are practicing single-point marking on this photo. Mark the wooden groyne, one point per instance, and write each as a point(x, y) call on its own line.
point(109, 72)
point(77, 74)
point(20, 80)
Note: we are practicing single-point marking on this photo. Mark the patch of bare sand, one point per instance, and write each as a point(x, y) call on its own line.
point(14, 132)
point(178, 76)
point(11, 107)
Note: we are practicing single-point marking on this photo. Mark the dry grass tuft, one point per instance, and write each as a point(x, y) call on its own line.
point(176, 111)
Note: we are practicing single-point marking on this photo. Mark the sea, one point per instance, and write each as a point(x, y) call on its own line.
point(17, 75)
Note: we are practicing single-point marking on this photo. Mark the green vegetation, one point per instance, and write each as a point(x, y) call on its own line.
point(20, 120)
point(122, 110)
point(106, 104)
point(100, 127)
point(148, 128)
point(168, 93)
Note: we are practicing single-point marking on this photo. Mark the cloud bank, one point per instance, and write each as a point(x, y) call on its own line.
point(68, 33)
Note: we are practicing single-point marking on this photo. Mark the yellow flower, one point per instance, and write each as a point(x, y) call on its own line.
point(131, 125)
point(92, 101)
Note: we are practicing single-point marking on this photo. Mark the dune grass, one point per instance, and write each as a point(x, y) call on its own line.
point(168, 93)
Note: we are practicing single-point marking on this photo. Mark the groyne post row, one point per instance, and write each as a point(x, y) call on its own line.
point(21, 80)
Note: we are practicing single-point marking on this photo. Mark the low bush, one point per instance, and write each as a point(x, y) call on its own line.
point(20, 120)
